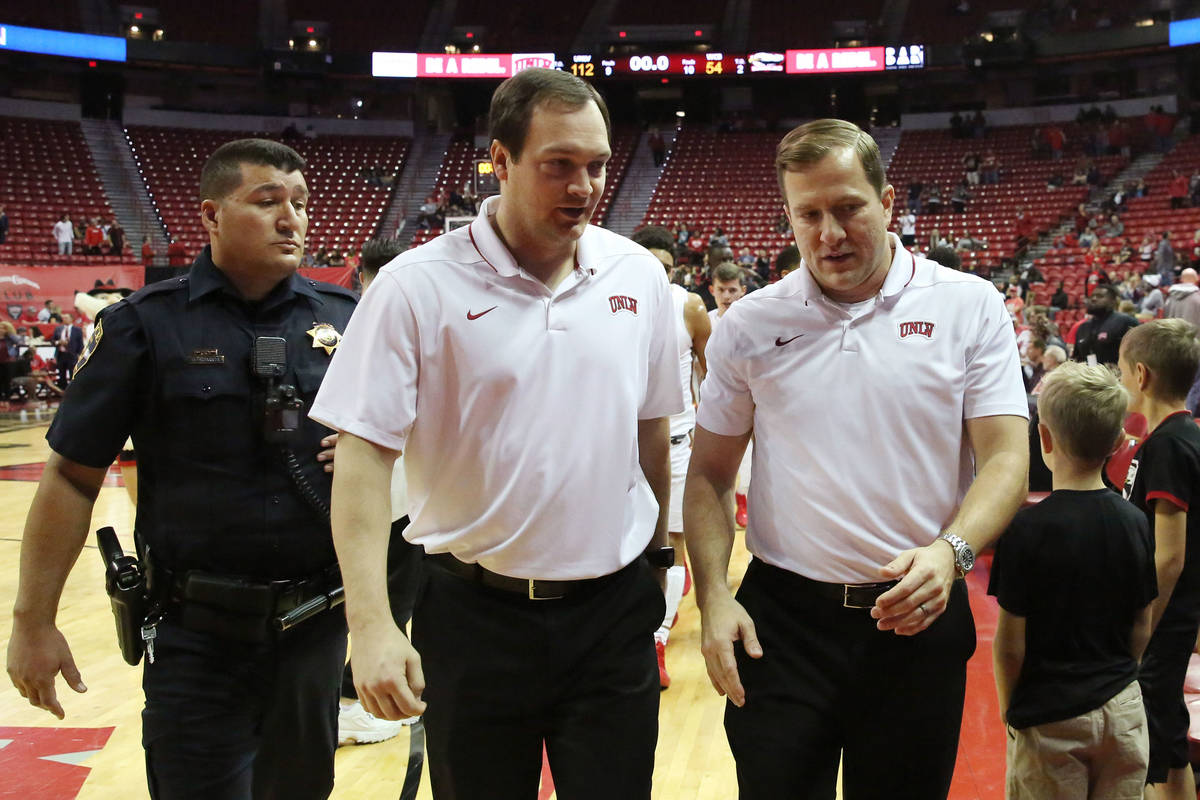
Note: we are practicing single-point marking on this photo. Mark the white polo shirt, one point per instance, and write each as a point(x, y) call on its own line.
point(860, 446)
point(516, 405)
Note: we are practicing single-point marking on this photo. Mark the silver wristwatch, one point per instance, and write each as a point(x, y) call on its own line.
point(964, 556)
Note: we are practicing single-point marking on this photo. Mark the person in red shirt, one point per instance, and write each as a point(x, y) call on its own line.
point(93, 237)
point(177, 254)
point(147, 252)
point(1178, 190)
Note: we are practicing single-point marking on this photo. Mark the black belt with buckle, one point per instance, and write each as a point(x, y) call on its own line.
point(531, 588)
point(850, 595)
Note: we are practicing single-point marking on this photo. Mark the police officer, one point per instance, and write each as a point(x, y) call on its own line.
point(208, 373)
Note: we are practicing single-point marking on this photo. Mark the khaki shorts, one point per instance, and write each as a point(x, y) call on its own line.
point(1100, 754)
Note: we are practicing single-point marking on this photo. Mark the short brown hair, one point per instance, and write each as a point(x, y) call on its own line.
point(1169, 349)
point(515, 99)
point(222, 172)
point(812, 141)
point(1084, 407)
point(727, 271)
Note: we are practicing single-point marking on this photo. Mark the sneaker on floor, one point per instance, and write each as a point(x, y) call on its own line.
point(741, 517)
point(664, 680)
point(356, 725)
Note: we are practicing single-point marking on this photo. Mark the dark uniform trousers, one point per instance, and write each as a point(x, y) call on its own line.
point(831, 684)
point(505, 674)
point(229, 721)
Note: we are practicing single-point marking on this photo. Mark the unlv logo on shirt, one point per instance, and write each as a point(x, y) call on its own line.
point(916, 329)
point(619, 302)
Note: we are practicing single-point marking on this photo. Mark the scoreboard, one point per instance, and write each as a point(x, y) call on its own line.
point(683, 65)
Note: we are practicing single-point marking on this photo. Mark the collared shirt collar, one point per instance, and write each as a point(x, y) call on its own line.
point(204, 278)
point(498, 256)
point(901, 272)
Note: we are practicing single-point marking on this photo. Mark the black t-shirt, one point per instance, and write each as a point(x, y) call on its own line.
point(1167, 467)
point(1104, 338)
point(1078, 567)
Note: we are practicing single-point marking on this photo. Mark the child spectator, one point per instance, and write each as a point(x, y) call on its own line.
point(1066, 654)
point(1158, 361)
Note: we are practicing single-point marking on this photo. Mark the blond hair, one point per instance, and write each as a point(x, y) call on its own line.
point(812, 141)
point(1084, 407)
point(1169, 349)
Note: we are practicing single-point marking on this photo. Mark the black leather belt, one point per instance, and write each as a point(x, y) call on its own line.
point(526, 587)
point(849, 595)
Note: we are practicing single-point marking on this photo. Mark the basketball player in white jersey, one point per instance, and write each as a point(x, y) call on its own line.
point(692, 330)
point(728, 286)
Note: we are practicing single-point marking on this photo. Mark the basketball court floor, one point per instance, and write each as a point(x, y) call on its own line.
point(95, 753)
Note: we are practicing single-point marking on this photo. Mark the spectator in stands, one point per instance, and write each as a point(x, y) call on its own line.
point(1060, 300)
point(937, 240)
point(1026, 230)
point(1080, 176)
point(93, 237)
point(116, 238)
point(908, 228)
point(1013, 301)
point(933, 200)
point(1088, 239)
point(3, 225)
point(968, 242)
point(960, 198)
point(428, 214)
point(1177, 190)
point(470, 199)
point(1093, 174)
point(1054, 358)
point(1115, 227)
point(1082, 217)
point(956, 126)
point(946, 256)
point(1066, 672)
point(1140, 189)
point(44, 314)
point(989, 168)
point(1183, 299)
point(177, 254)
point(1054, 182)
point(1196, 248)
point(68, 344)
point(64, 235)
point(1153, 300)
point(915, 188)
point(978, 125)
point(1056, 140)
point(658, 147)
point(1146, 250)
point(970, 164)
point(718, 239)
point(1116, 203)
point(1164, 259)
point(1101, 333)
point(1031, 363)
point(147, 252)
point(782, 226)
point(1124, 255)
point(337, 258)
point(1194, 188)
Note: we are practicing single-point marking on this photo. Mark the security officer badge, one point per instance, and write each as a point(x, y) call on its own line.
point(90, 347)
point(325, 336)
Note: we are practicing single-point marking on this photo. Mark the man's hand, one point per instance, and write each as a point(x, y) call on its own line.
point(926, 575)
point(329, 443)
point(36, 654)
point(723, 622)
point(387, 674)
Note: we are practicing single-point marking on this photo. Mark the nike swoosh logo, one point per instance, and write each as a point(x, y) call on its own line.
point(781, 342)
point(480, 314)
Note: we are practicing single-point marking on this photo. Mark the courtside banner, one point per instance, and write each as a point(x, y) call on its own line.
point(33, 286)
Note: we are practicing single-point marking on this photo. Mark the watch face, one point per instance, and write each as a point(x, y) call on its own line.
point(966, 558)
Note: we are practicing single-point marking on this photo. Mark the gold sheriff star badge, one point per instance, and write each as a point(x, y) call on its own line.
point(325, 336)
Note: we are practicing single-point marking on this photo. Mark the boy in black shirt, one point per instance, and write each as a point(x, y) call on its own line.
point(1158, 362)
point(1075, 579)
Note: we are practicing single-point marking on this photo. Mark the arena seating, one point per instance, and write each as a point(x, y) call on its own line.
point(724, 180)
point(48, 170)
point(935, 157)
point(775, 25)
point(345, 209)
point(459, 162)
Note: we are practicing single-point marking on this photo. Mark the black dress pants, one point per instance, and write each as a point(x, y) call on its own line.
point(505, 674)
point(231, 721)
point(831, 684)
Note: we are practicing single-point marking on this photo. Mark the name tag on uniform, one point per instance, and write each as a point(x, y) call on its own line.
point(206, 355)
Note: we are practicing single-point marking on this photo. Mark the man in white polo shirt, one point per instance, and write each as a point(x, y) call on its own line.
point(526, 367)
point(885, 396)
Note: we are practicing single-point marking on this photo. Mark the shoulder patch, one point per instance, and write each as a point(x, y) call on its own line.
point(92, 343)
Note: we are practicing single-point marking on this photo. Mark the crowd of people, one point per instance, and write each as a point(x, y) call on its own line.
point(95, 236)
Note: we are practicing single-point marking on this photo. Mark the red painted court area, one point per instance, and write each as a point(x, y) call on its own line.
point(45, 763)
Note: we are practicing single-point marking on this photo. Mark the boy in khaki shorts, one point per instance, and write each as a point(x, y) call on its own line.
point(1075, 579)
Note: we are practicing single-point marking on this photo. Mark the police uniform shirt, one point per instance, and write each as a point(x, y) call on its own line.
point(516, 405)
point(171, 366)
point(860, 448)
